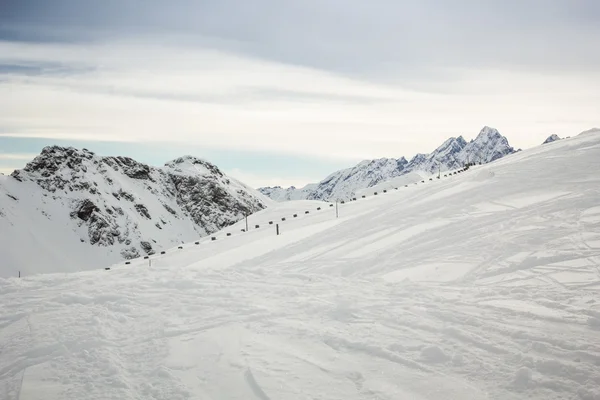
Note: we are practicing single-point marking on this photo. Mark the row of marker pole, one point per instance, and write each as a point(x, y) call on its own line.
point(257, 226)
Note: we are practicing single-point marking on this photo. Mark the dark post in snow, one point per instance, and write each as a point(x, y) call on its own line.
point(337, 214)
point(277, 227)
point(19, 274)
point(245, 215)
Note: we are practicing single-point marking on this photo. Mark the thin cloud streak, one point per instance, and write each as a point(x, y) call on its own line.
point(17, 156)
point(136, 91)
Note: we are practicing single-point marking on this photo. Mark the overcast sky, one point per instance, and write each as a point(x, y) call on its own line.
point(284, 92)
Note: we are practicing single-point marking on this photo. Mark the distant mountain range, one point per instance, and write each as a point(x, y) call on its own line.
point(489, 145)
point(71, 208)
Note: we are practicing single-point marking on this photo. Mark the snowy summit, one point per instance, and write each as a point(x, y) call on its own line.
point(454, 153)
point(80, 211)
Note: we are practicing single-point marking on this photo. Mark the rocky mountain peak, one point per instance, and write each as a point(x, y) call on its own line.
point(419, 157)
point(552, 138)
point(195, 165)
point(454, 153)
point(452, 145)
point(487, 134)
point(53, 158)
point(187, 159)
point(122, 204)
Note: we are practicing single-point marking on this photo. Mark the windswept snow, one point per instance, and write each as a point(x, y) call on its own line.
point(482, 285)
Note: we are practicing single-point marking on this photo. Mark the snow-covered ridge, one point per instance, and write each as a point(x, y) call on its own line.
point(478, 286)
point(454, 153)
point(70, 203)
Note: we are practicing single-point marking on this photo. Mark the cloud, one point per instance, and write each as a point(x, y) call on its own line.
point(174, 90)
point(380, 38)
point(17, 156)
point(11, 161)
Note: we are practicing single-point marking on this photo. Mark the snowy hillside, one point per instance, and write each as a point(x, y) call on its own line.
point(408, 179)
point(454, 153)
point(70, 209)
point(481, 285)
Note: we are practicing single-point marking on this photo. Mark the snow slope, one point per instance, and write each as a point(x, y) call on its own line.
point(71, 209)
point(482, 285)
point(397, 182)
point(454, 153)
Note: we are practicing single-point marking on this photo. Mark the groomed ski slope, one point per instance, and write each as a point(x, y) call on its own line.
point(484, 285)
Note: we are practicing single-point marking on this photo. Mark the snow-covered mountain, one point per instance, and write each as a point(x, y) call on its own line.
point(279, 194)
point(552, 138)
point(70, 209)
point(489, 145)
point(481, 286)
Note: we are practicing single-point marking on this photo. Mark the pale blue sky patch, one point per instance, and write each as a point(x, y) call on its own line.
point(266, 168)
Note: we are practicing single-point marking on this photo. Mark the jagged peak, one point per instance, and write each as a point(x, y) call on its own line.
point(552, 138)
point(488, 132)
point(188, 159)
point(453, 141)
point(363, 163)
point(53, 158)
point(69, 150)
point(454, 152)
point(418, 157)
point(375, 161)
point(194, 164)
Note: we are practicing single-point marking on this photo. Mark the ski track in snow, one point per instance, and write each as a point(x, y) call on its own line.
point(481, 286)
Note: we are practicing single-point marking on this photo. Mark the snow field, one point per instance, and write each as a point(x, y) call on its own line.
point(481, 286)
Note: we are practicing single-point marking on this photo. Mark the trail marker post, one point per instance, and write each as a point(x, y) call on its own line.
point(277, 228)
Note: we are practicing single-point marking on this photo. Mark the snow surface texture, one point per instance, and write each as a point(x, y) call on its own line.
point(70, 209)
point(454, 153)
point(482, 285)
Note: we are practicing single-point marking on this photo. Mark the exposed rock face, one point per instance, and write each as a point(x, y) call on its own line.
point(489, 146)
point(126, 206)
point(552, 138)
